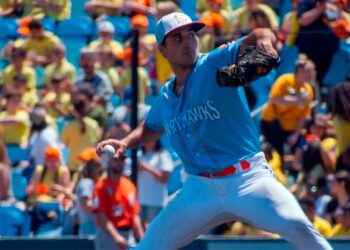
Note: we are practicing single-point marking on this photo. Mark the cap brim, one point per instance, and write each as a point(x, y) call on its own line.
point(196, 25)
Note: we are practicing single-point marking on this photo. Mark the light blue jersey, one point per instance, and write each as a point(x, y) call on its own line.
point(208, 126)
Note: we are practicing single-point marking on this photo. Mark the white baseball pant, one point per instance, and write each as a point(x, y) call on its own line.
point(253, 196)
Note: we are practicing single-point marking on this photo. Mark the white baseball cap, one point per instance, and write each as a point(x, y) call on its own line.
point(175, 21)
point(106, 26)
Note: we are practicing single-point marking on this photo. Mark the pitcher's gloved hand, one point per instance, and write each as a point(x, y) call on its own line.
point(252, 64)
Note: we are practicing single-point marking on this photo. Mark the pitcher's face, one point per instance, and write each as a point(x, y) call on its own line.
point(180, 47)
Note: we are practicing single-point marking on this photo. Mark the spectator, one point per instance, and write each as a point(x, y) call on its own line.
point(344, 160)
point(59, 66)
point(90, 76)
point(342, 229)
point(17, 66)
point(288, 106)
point(11, 8)
point(121, 116)
point(118, 211)
point(339, 98)
point(80, 132)
point(94, 110)
point(99, 8)
point(275, 162)
point(91, 173)
point(107, 61)
point(315, 152)
point(57, 98)
point(144, 81)
point(241, 16)
point(105, 38)
point(38, 45)
point(42, 135)
point(14, 121)
point(215, 6)
point(28, 96)
point(339, 188)
point(203, 5)
point(320, 224)
point(290, 24)
point(210, 36)
point(314, 18)
point(154, 168)
point(58, 10)
point(45, 176)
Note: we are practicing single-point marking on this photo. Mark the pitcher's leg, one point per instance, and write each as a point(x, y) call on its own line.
point(267, 204)
point(182, 220)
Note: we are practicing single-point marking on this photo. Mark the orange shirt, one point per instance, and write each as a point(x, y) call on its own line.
point(117, 200)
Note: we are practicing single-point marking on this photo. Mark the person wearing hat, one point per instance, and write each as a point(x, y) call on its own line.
point(105, 38)
point(46, 175)
point(211, 130)
point(38, 44)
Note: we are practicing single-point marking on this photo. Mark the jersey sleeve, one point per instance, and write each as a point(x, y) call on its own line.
point(224, 55)
point(153, 119)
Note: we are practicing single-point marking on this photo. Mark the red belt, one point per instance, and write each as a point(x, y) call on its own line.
point(227, 171)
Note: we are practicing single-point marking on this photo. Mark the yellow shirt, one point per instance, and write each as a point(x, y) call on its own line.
point(63, 99)
point(239, 229)
point(323, 226)
point(115, 46)
point(106, 12)
point(164, 70)
point(65, 68)
point(203, 5)
point(29, 99)
point(242, 16)
point(144, 81)
point(49, 179)
point(287, 115)
point(38, 12)
point(76, 141)
point(15, 133)
point(340, 230)
point(342, 131)
point(112, 74)
point(276, 166)
point(41, 47)
point(290, 22)
point(9, 72)
point(4, 4)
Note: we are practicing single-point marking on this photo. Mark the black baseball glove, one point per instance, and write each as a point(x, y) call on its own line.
point(244, 70)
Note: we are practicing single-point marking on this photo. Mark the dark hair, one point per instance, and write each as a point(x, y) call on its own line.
point(262, 20)
point(339, 100)
point(35, 24)
point(18, 52)
point(343, 176)
point(90, 166)
point(157, 147)
point(307, 201)
point(20, 78)
point(87, 90)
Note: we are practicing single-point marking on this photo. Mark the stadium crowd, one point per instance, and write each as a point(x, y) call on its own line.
point(66, 84)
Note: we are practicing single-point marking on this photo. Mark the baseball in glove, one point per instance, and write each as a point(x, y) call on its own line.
point(245, 70)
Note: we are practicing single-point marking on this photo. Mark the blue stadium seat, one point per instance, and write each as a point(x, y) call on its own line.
point(8, 28)
point(79, 27)
point(152, 22)
point(11, 221)
point(189, 7)
point(288, 56)
point(77, 8)
point(73, 47)
point(40, 74)
point(339, 67)
point(19, 184)
point(48, 24)
point(17, 154)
